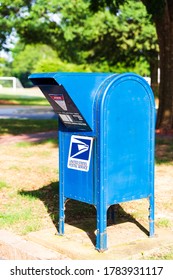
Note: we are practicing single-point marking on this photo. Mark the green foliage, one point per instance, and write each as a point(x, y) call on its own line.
point(82, 39)
point(56, 65)
point(154, 7)
point(4, 67)
point(109, 41)
point(39, 58)
point(10, 11)
point(26, 58)
point(101, 4)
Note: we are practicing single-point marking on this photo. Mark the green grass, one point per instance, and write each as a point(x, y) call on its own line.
point(3, 185)
point(20, 215)
point(23, 100)
point(28, 180)
point(76, 210)
point(28, 171)
point(164, 223)
point(17, 126)
point(164, 151)
point(21, 210)
point(23, 144)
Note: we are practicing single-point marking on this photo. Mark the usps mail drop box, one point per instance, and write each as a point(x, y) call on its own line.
point(106, 141)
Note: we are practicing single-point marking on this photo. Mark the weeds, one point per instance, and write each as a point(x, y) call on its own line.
point(164, 223)
point(3, 185)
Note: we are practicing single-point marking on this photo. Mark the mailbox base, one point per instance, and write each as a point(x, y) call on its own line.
point(101, 242)
point(61, 216)
point(151, 215)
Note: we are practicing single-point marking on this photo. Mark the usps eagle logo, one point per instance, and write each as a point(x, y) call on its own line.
point(80, 152)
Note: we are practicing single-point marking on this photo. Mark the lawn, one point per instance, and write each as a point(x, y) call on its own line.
point(29, 185)
point(22, 100)
point(20, 126)
point(29, 180)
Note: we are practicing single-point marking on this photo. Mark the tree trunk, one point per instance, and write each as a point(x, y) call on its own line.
point(164, 26)
point(154, 73)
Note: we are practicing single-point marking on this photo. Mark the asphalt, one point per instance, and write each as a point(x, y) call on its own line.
point(26, 112)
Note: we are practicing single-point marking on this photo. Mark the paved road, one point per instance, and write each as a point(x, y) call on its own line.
point(26, 112)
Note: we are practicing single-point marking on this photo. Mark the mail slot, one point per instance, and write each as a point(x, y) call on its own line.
point(106, 141)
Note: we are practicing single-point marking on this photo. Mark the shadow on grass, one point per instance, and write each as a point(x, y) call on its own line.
point(117, 215)
point(36, 140)
point(164, 150)
point(22, 126)
point(79, 214)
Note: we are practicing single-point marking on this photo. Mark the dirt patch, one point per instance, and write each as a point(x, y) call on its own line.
point(6, 102)
point(34, 137)
point(164, 133)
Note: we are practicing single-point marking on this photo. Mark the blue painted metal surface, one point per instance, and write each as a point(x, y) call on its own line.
point(117, 114)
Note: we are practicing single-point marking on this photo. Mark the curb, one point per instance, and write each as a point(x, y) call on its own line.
point(13, 247)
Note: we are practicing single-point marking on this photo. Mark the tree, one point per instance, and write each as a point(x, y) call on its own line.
point(34, 58)
point(161, 12)
point(4, 67)
point(68, 32)
point(162, 15)
point(79, 35)
point(9, 12)
point(26, 58)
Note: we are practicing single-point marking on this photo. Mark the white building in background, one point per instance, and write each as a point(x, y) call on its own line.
point(14, 83)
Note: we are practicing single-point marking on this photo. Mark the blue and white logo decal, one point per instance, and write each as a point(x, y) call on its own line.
point(80, 152)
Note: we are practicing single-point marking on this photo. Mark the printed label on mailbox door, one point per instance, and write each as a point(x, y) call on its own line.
point(80, 152)
point(59, 99)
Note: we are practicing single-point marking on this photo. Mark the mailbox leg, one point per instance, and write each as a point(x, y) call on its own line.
point(151, 216)
point(61, 185)
point(101, 238)
point(61, 215)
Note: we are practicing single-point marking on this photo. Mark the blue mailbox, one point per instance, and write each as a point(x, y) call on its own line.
point(106, 141)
